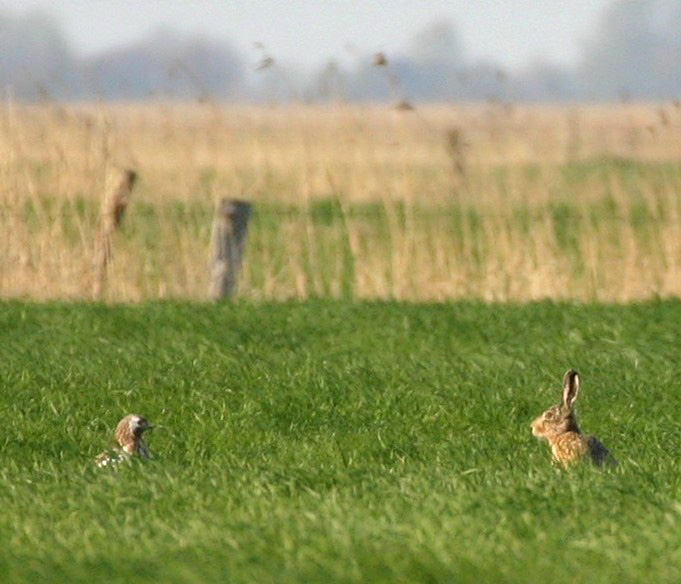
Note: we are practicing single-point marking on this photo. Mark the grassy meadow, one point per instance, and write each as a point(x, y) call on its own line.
point(330, 441)
point(488, 202)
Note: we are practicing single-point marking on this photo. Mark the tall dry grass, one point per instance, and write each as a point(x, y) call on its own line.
point(489, 201)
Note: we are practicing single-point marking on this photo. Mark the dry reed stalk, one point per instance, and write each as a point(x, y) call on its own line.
point(573, 147)
point(456, 148)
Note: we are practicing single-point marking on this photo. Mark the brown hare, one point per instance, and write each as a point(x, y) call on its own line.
point(128, 436)
point(559, 426)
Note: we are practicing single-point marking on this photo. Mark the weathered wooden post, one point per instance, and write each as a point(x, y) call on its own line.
point(229, 240)
point(113, 209)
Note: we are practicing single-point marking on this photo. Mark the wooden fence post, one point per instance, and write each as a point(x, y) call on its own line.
point(113, 209)
point(229, 240)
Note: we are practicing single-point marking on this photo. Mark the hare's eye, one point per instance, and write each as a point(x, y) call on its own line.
point(548, 415)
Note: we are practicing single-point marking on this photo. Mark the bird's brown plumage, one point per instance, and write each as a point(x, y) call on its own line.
point(129, 441)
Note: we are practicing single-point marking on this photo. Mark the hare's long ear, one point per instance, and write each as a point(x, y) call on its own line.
point(570, 388)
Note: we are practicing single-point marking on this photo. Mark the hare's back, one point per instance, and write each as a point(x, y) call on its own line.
point(599, 454)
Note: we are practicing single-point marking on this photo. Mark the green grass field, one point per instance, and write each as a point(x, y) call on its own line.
point(337, 442)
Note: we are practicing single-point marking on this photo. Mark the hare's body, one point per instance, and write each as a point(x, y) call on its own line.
point(558, 425)
point(572, 446)
point(568, 447)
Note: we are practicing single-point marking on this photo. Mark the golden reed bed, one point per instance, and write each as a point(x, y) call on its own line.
point(491, 202)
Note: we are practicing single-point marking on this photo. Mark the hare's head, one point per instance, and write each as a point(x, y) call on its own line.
point(561, 417)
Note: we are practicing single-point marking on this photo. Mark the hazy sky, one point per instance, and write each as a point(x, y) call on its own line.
point(512, 32)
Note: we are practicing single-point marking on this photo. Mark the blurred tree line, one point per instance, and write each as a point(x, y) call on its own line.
point(634, 53)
